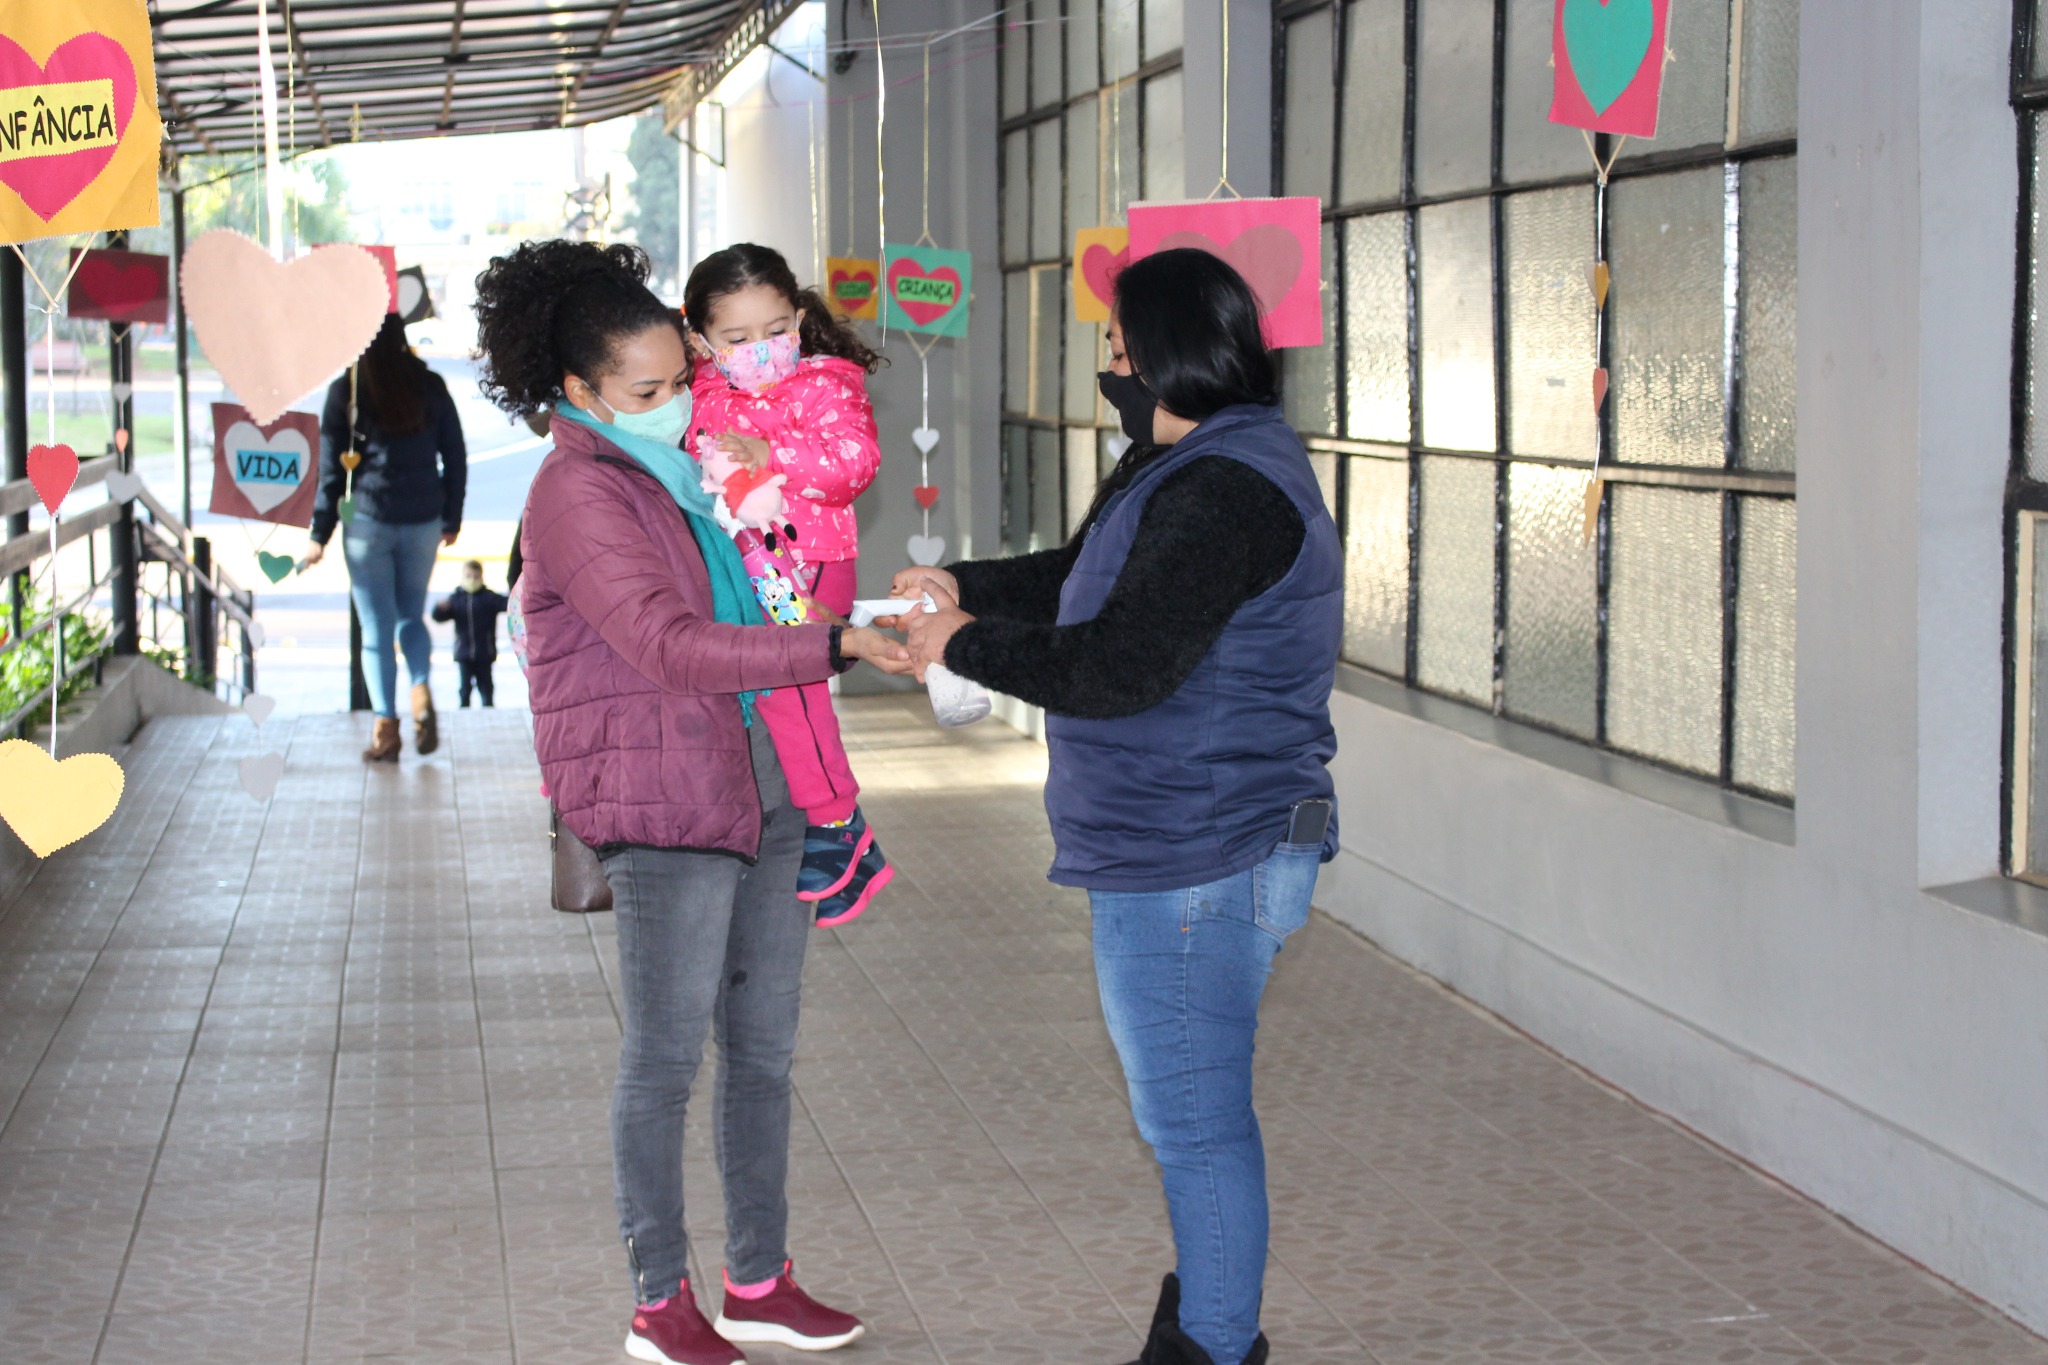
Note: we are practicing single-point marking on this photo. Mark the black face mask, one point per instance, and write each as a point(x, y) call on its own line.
point(1133, 401)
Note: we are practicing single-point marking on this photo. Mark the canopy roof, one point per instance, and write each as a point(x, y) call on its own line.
point(364, 70)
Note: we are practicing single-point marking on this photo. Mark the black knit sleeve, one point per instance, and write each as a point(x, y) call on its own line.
point(1214, 536)
point(1021, 588)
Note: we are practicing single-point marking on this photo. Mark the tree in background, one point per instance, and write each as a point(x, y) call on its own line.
point(315, 207)
point(655, 219)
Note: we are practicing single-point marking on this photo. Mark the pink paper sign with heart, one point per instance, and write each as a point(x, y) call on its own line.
point(45, 180)
point(276, 332)
point(1274, 243)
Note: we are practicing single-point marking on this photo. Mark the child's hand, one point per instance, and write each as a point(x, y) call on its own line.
point(751, 451)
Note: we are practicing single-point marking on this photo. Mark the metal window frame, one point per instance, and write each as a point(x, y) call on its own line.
point(2026, 499)
point(1733, 482)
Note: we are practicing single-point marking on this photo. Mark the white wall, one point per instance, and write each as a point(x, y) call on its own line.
point(1811, 1007)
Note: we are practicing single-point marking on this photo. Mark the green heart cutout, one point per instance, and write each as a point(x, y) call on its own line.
point(275, 567)
point(346, 510)
point(1607, 41)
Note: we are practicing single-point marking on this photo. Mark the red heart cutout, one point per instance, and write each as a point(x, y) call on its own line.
point(922, 311)
point(52, 469)
point(47, 182)
point(1268, 256)
point(853, 288)
point(1100, 266)
point(926, 494)
point(743, 481)
point(1599, 388)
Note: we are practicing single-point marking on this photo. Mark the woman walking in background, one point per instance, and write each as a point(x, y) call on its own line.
point(1183, 644)
point(407, 500)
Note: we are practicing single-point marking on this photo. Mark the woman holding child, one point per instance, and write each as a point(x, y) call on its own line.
point(647, 656)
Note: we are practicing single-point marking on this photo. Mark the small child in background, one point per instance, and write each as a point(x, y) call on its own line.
point(474, 609)
point(781, 385)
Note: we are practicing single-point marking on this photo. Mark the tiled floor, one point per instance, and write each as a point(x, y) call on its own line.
point(325, 1081)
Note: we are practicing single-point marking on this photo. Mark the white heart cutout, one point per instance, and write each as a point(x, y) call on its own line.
point(123, 391)
point(123, 486)
point(267, 469)
point(260, 775)
point(410, 288)
point(927, 551)
point(258, 707)
point(255, 634)
point(1118, 444)
point(924, 438)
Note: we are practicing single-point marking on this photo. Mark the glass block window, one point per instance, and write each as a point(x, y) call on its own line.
point(1091, 121)
point(1457, 390)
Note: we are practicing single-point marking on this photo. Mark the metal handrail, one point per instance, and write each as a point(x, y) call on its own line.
point(209, 595)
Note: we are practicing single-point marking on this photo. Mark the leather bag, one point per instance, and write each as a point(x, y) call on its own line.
point(576, 882)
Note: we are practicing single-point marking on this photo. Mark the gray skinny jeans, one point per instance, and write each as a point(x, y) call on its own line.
point(706, 940)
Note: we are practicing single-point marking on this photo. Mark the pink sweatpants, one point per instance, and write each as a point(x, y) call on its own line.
point(805, 728)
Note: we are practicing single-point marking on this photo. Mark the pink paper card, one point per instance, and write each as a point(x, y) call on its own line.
point(1276, 244)
point(1608, 57)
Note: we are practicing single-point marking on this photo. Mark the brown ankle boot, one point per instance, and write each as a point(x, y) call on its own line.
point(426, 734)
point(384, 743)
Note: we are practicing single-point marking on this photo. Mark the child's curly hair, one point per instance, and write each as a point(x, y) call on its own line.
point(553, 308)
point(743, 265)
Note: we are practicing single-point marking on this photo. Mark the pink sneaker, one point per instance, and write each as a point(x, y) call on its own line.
point(786, 1316)
point(674, 1332)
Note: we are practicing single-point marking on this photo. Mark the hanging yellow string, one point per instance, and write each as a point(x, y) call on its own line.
point(925, 236)
point(881, 173)
point(1223, 157)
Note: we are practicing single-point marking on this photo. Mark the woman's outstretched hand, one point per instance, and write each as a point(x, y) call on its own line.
point(865, 642)
point(928, 631)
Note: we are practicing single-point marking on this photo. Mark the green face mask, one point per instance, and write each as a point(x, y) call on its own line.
point(665, 424)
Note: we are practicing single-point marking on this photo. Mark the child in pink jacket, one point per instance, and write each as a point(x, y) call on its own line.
point(781, 383)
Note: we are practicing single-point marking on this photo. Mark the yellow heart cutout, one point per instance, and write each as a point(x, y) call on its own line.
point(51, 804)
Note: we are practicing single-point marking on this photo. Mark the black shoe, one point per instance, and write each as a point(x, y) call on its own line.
point(1168, 1345)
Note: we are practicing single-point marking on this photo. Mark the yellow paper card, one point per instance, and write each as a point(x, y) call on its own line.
point(852, 285)
point(1100, 253)
point(79, 132)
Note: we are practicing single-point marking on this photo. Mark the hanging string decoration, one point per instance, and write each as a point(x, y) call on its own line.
point(1607, 59)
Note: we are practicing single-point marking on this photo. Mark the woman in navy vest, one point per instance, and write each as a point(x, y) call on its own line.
point(1183, 645)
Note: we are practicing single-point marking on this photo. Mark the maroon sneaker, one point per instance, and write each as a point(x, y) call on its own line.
point(675, 1333)
point(786, 1316)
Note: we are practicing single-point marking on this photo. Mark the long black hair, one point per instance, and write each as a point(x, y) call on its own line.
point(745, 264)
point(552, 308)
point(1191, 331)
point(393, 382)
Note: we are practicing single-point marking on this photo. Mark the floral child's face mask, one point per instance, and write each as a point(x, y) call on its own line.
point(757, 366)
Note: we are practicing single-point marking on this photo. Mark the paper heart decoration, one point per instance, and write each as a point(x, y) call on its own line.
point(925, 295)
point(926, 495)
point(1100, 266)
point(1607, 41)
point(276, 568)
point(52, 469)
point(51, 804)
point(853, 288)
point(413, 303)
point(1118, 444)
point(351, 458)
point(255, 634)
point(924, 438)
point(258, 707)
point(1599, 388)
point(123, 486)
point(345, 510)
point(276, 332)
point(121, 439)
point(260, 774)
point(1599, 277)
point(1268, 256)
point(48, 183)
point(120, 286)
point(268, 467)
point(927, 551)
point(123, 391)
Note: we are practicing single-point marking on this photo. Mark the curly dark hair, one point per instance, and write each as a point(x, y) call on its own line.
point(553, 308)
point(743, 265)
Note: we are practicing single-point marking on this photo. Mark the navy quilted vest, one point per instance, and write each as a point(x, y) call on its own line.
point(1198, 788)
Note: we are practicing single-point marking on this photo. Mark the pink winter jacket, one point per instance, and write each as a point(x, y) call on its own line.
point(821, 427)
point(634, 686)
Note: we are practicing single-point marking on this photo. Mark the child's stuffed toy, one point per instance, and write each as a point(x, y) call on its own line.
point(748, 504)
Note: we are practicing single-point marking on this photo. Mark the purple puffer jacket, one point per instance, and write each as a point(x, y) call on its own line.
point(634, 686)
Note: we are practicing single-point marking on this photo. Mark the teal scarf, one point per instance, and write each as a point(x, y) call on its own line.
point(732, 591)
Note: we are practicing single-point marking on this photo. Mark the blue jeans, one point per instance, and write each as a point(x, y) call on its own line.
point(1181, 974)
point(388, 567)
